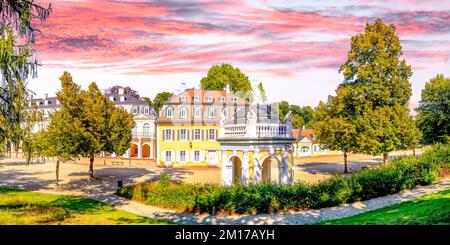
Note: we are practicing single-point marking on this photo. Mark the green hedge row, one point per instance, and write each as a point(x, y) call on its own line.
point(402, 173)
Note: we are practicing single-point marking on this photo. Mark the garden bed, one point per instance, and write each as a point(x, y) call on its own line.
point(402, 173)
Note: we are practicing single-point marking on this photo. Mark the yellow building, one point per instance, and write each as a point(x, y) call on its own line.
point(188, 127)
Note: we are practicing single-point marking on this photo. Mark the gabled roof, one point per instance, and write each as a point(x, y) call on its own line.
point(300, 134)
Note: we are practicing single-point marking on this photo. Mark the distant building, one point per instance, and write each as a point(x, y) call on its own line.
point(188, 126)
point(306, 144)
point(143, 141)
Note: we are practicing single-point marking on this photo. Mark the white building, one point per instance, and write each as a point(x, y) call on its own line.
point(143, 141)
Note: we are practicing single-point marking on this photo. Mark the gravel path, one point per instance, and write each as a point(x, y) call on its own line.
point(40, 178)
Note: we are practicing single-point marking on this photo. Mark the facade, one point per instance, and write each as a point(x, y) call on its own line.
point(144, 137)
point(306, 144)
point(188, 127)
point(256, 147)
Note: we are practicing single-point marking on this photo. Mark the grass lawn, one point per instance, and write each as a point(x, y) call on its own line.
point(18, 207)
point(433, 209)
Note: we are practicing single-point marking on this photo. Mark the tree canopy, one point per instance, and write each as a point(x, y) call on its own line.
point(220, 75)
point(126, 90)
point(160, 99)
point(301, 116)
point(434, 110)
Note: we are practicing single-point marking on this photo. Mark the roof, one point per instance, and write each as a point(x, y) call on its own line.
point(264, 114)
point(215, 96)
point(127, 99)
point(300, 134)
point(296, 134)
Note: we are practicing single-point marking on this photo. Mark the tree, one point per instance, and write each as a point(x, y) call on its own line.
point(148, 100)
point(434, 110)
point(160, 99)
point(262, 92)
point(378, 90)
point(17, 62)
point(220, 75)
point(301, 116)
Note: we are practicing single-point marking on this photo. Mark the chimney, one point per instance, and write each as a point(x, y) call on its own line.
point(303, 127)
point(120, 90)
point(46, 96)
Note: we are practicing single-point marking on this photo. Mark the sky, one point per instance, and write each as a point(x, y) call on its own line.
point(295, 48)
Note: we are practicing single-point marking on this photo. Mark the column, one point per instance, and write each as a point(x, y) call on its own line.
point(245, 174)
point(257, 168)
point(139, 149)
point(227, 171)
point(151, 150)
point(284, 168)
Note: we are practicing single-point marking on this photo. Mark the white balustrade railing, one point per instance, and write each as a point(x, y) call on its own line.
point(257, 130)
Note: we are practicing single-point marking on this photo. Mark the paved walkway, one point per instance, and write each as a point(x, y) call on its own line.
point(40, 178)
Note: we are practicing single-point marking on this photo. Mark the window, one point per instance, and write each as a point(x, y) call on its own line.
point(209, 99)
point(212, 134)
point(146, 110)
point(222, 98)
point(182, 156)
point(235, 99)
point(212, 112)
point(135, 129)
point(196, 156)
point(225, 112)
point(146, 130)
point(183, 112)
point(182, 134)
point(196, 98)
point(183, 98)
point(135, 110)
point(169, 112)
point(197, 134)
point(197, 112)
point(167, 134)
point(304, 149)
point(168, 156)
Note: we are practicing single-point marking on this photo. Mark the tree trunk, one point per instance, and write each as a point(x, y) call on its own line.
point(91, 166)
point(414, 152)
point(385, 158)
point(57, 172)
point(345, 162)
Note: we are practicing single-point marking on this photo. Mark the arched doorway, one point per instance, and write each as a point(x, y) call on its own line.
point(271, 169)
point(146, 150)
point(133, 150)
point(237, 169)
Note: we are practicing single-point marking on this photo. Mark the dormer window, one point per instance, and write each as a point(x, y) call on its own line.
point(209, 99)
point(197, 112)
point(196, 98)
point(135, 110)
point(183, 112)
point(183, 98)
point(212, 112)
point(225, 112)
point(122, 98)
point(169, 112)
point(222, 98)
point(146, 110)
point(111, 98)
point(235, 99)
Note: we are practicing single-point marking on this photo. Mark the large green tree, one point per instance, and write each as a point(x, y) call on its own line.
point(220, 75)
point(378, 91)
point(98, 125)
point(434, 110)
point(301, 116)
point(17, 62)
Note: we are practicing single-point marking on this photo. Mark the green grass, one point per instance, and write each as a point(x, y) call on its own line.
point(18, 207)
point(433, 209)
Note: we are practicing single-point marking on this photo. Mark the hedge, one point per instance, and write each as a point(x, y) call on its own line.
point(402, 173)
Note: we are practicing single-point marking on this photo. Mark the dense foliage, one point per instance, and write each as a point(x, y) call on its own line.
point(220, 75)
point(403, 173)
point(301, 116)
point(434, 110)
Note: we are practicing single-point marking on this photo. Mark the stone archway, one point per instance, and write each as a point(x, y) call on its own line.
point(236, 164)
point(146, 150)
point(134, 150)
point(270, 171)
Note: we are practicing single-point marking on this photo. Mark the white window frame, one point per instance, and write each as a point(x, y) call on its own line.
point(225, 112)
point(197, 109)
point(222, 99)
point(213, 110)
point(185, 156)
point(214, 134)
point(166, 155)
point(135, 110)
point(183, 98)
point(194, 155)
point(146, 110)
point(235, 99)
point(165, 134)
point(196, 98)
point(185, 134)
point(169, 109)
point(209, 99)
point(185, 110)
point(200, 134)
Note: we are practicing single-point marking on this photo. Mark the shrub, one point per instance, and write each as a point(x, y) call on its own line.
point(402, 173)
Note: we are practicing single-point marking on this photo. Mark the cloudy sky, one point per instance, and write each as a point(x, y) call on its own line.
point(294, 47)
